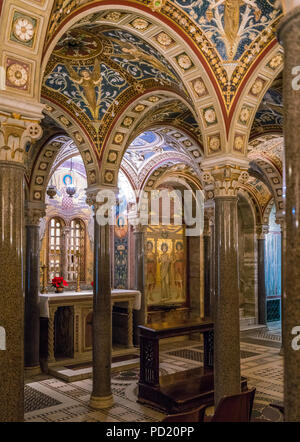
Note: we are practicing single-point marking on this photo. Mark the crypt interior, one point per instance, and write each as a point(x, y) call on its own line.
point(143, 98)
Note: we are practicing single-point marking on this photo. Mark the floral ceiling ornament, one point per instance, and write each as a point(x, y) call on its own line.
point(17, 75)
point(140, 24)
point(23, 29)
point(164, 39)
point(214, 143)
point(245, 115)
point(199, 87)
point(210, 116)
point(184, 61)
point(257, 87)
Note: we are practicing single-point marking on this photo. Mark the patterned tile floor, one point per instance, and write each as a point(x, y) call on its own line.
point(51, 400)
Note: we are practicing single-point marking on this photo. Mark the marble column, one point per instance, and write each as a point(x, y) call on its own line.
point(34, 212)
point(207, 262)
point(102, 318)
point(227, 373)
point(14, 134)
point(140, 316)
point(281, 221)
point(289, 36)
point(261, 283)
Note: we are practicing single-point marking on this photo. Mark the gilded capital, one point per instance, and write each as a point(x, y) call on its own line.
point(15, 133)
point(262, 230)
point(224, 180)
point(34, 212)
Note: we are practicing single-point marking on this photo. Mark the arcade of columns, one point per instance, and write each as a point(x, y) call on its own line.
point(19, 222)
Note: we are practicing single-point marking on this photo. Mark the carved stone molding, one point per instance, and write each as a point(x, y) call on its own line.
point(34, 212)
point(261, 231)
point(92, 193)
point(15, 133)
point(224, 180)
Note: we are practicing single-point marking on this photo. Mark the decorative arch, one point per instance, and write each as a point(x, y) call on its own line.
point(202, 88)
point(124, 132)
point(49, 150)
point(249, 100)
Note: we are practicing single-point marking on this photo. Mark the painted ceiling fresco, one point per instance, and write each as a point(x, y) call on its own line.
point(230, 34)
point(268, 147)
point(145, 147)
point(94, 71)
point(231, 25)
point(173, 112)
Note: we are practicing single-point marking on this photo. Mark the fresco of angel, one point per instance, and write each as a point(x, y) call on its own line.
point(133, 53)
point(88, 80)
point(234, 24)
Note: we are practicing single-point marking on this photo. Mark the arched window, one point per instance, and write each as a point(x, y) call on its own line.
point(54, 249)
point(77, 244)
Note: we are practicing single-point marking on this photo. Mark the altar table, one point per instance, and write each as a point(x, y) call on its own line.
point(82, 305)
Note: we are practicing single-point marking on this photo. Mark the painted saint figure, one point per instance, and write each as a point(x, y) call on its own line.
point(232, 20)
point(165, 268)
point(88, 80)
point(179, 268)
point(150, 270)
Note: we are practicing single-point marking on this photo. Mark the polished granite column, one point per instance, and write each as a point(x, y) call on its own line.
point(140, 316)
point(102, 318)
point(14, 134)
point(207, 265)
point(261, 271)
point(34, 212)
point(289, 36)
point(281, 221)
point(227, 372)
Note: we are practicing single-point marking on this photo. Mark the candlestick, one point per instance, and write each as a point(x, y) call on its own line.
point(44, 288)
point(78, 289)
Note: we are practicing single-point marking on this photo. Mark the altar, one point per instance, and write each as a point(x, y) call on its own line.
point(68, 319)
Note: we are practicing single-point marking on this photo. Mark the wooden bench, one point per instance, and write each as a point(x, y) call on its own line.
point(184, 390)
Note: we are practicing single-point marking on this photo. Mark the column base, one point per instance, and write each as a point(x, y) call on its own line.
point(32, 371)
point(101, 402)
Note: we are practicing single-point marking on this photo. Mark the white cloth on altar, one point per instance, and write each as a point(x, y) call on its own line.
point(45, 298)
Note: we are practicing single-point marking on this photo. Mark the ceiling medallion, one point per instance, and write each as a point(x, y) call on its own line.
point(109, 176)
point(239, 143)
point(199, 87)
point(164, 39)
point(276, 61)
point(210, 116)
point(127, 122)
point(17, 75)
point(184, 61)
point(257, 87)
point(153, 99)
point(112, 156)
point(139, 108)
point(119, 137)
point(140, 24)
point(245, 115)
point(23, 29)
point(214, 143)
point(113, 16)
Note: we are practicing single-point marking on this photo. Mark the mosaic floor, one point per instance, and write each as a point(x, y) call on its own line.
point(51, 400)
